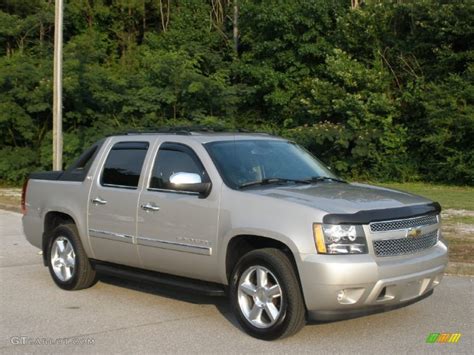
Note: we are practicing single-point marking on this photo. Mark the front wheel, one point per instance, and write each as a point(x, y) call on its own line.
point(266, 296)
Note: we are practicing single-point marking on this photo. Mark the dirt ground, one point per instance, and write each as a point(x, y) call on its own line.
point(458, 230)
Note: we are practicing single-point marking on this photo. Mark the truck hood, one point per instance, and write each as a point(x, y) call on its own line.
point(334, 197)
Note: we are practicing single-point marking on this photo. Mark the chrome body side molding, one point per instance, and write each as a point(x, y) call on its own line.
point(164, 244)
point(96, 233)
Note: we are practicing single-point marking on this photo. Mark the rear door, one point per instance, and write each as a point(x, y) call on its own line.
point(179, 235)
point(113, 202)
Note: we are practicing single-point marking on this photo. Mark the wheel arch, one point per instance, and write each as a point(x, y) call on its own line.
point(240, 244)
point(52, 219)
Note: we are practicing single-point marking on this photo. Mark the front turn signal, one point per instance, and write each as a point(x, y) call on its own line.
point(319, 238)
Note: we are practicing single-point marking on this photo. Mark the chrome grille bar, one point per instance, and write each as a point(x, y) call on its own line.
point(400, 224)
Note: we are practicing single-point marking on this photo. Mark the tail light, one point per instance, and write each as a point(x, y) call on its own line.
point(23, 196)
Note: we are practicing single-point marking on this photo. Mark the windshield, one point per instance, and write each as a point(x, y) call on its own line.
point(244, 162)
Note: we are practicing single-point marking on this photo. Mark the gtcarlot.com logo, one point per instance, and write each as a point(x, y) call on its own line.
point(443, 338)
point(24, 340)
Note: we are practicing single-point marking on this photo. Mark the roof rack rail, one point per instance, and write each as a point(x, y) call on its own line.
point(198, 129)
point(187, 130)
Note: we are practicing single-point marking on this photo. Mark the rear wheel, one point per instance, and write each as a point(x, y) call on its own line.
point(68, 263)
point(266, 296)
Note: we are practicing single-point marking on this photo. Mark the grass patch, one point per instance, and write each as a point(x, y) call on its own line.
point(450, 220)
point(456, 197)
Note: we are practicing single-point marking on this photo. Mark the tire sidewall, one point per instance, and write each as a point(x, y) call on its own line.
point(253, 259)
point(63, 231)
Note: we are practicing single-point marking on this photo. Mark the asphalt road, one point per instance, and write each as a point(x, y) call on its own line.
point(124, 317)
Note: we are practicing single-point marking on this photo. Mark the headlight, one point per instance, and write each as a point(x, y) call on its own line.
point(339, 239)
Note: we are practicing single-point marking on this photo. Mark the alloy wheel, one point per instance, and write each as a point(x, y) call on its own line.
point(63, 258)
point(260, 296)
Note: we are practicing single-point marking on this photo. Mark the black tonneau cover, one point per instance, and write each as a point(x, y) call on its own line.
point(46, 175)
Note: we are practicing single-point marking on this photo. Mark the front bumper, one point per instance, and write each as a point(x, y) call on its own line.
point(344, 286)
point(353, 313)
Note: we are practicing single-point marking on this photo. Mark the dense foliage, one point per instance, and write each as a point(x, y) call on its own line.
point(384, 91)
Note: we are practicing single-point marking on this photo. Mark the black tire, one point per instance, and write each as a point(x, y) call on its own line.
point(292, 309)
point(83, 274)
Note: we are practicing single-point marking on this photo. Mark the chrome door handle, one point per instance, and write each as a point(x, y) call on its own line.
point(150, 207)
point(98, 201)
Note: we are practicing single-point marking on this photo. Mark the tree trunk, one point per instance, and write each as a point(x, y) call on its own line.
point(236, 26)
point(41, 34)
point(165, 15)
point(144, 18)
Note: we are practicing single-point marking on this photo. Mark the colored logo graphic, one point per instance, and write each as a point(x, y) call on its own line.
point(443, 338)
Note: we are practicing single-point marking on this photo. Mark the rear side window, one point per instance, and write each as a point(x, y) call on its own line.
point(175, 158)
point(124, 164)
point(85, 160)
point(80, 167)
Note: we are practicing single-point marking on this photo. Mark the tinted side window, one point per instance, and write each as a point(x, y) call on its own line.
point(174, 158)
point(124, 164)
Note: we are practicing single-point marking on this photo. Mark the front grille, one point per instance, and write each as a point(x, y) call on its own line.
point(403, 223)
point(401, 246)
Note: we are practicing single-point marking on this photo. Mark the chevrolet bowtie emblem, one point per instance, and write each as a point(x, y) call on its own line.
point(413, 232)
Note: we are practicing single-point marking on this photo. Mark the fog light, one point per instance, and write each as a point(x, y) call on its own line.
point(340, 296)
point(349, 295)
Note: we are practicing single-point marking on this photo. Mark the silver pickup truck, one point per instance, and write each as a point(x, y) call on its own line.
point(252, 216)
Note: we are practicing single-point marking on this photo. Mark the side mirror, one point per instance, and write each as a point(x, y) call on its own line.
point(190, 182)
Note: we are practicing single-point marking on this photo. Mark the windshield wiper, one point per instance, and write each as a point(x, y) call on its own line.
point(325, 178)
point(274, 180)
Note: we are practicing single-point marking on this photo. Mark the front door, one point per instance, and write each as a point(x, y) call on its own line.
point(177, 230)
point(113, 203)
